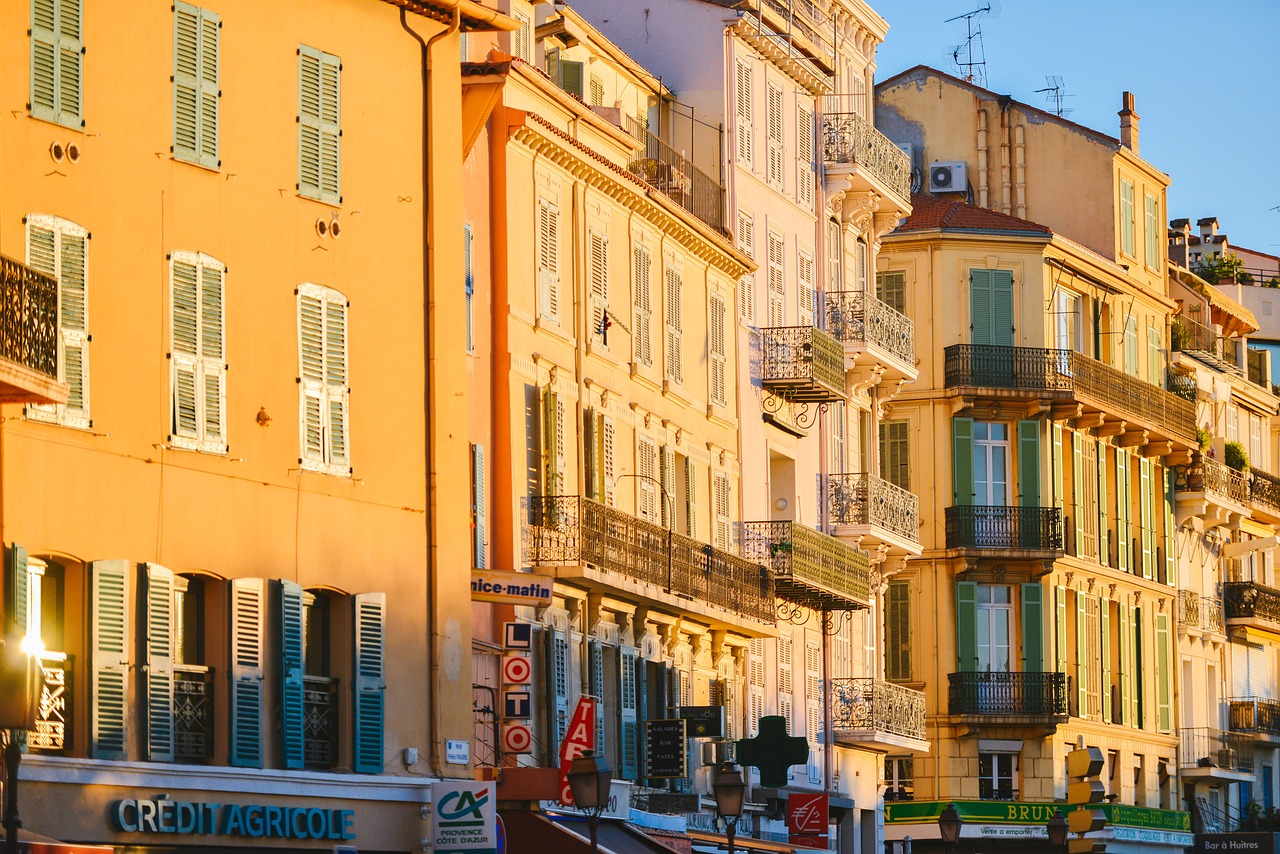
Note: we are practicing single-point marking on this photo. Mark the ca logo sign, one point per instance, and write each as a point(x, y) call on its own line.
point(460, 806)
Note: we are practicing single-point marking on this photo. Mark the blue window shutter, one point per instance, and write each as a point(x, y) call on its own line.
point(370, 681)
point(1029, 463)
point(1032, 628)
point(195, 84)
point(17, 593)
point(962, 460)
point(966, 626)
point(159, 673)
point(629, 727)
point(289, 596)
point(478, 500)
point(248, 597)
point(319, 125)
point(57, 28)
point(557, 692)
point(109, 584)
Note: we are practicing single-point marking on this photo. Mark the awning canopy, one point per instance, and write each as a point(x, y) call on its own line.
point(568, 834)
point(703, 841)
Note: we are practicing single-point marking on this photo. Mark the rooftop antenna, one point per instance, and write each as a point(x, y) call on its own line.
point(970, 58)
point(1055, 90)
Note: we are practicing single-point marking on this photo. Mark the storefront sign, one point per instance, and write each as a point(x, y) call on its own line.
point(580, 738)
point(249, 820)
point(704, 721)
point(1229, 843)
point(808, 818)
point(465, 817)
point(513, 588)
point(618, 805)
point(1032, 813)
point(664, 754)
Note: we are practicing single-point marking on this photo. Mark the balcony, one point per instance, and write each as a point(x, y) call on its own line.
point(673, 175)
point(874, 335)
point(1008, 698)
point(1207, 753)
point(1264, 495)
point(319, 722)
point(795, 35)
point(52, 733)
point(877, 715)
point(1199, 612)
point(1082, 383)
point(810, 569)
point(1035, 532)
point(608, 549)
point(863, 506)
point(802, 364)
point(192, 714)
point(1257, 716)
point(28, 336)
point(1205, 343)
point(868, 160)
point(1252, 605)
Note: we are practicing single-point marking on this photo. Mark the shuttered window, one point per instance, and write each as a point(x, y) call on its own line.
point(667, 477)
point(57, 44)
point(596, 91)
point(647, 479)
point(1126, 219)
point(60, 249)
point(478, 507)
point(598, 443)
point(813, 704)
point(548, 261)
point(598, 270)
point(289, 611)
point(1131, 346)
point(674, 324)
point(195, 85)
point(991, 307)
point(553, 459)
point(773, 132)
point(804, 276)
point(325, 395)
point(628, 706)
point(742, 112)
point(319, 125)
point(110, 655)
point(642, 339)
point(690, 486)
point(897, 632)
point(470, 287)
point(891, 289)
point(521, 39)
point(777, 296)
point(1155, 358)
point(747, 285)
point(755, 685)
point(806, 167)
point(370, 680)
point(1153, 231)
point(895, 457)
point(720, 508)
point(158, 673)
point(716, 333)
point(248, 667)
point(197, 357)
point(786, 682)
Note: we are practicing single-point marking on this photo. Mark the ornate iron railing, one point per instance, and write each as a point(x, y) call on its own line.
point(1203, 612)
point(52, 733)
point(809, 567)
point(1043, 370)
point(1254, 714)
point(1264, 489)
point(1194, 338)
point(1248, 599)
point(1183, 386)
point(869, 704)
point(1206, 747)
point(855, 317)
point(851, 138)
point(192, 713)
point(564, 530)
point(1257, 363)
point(977, 526)
point(319, 721)
point(28, 317)
point(675, 176)
point(1204, 474)
point(864, 499)
point(1034, 694)
point(802, 363)
point(804, 18)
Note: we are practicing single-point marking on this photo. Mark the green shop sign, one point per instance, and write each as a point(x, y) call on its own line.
point(254, 821)
point(1020, 812)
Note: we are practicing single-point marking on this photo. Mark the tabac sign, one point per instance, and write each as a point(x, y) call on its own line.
point(511, 588)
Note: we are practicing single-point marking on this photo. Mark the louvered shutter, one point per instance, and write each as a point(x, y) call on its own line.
point(195, 85)
point(1131, 347)
point(747, 285)
point(109, 580)
point(1145, 517)
point(1155, 368)
point(370, 681)
point(898, 631)
point(335, 360)
point(1170, 565)
point(1164, 675)
point(1002, 308)
point(595, 678)
point(962, 460)
point(57, 42)
point(247, 671)
point(59, 249)
point(1103, 516)
point(1060, 628)
point(629, 727)
point(469, 278)
point(804, 275)
point(1123, 714)
point(813, 700)
point(550, 443)
point(719, 395)
point(777, 315)
point(667, 468)
point(966, 626)
point(805, 165)
point(1082, 654)
point(319, 125)
point(1137, 712)
point(478, 498)
point(646, 452)
point(674, 325)
point(571, 74)
point(17, 594)
point(198, 370)
point(289, 605)
point(1077, 493)
point(891, 289)
point(1107, 711)
point(548, 262)
point(1029, 463)
point(895, 453)
point(1057, 464)
point(642, 342)
point(786, 683)
point(773, 132)
point(311, 351)
point(599, 275)
point(1126, 219)
point(742, 100)
point(724, 527)
point(591, 455)
point(159, 673)
point(690, 497)
point(557, 692)
point(755, 685)
point(980, 306)
point(1032, 628)
point(1124, 549)
point(322, 337)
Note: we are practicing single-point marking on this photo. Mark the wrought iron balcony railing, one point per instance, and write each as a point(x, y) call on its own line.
point(1264, 489)
point(1203, 342)
point(978, 526)
point(1040, 370)
point(809, 567)
point(1206, 747)
point(319, 722)
point(565, 530)
point(864, 499)
point(192, 713)
point(1206, 475)
point(28, 317)
point(1022, 694)
point(675, 176)
point(857, 317)
point(851, 138)
point(1204, 612)
point(1250, 600)
point(869, 704)
point(803, 364)
point(773, 33)
point(1255, 715)
point(52, 733)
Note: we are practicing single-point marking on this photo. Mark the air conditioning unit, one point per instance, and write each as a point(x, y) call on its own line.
point(948, 176)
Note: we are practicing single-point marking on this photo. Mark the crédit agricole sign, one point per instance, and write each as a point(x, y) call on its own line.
point(255, 821)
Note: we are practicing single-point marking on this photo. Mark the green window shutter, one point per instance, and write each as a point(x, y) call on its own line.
point(891, 290)
point(1032, 628)
point(18, 592)
point(980, 306)
point(1106, 659)
point(1124, 550)
point(479, 503)
point(628, 727)
point(319, 125)
point(1170, 565)
point(1077, 492)
point(1164, 676)
point(159, 673)
point(1060, 627)
point(1135, 669)
point(57, 42)
point(1104, 521)
point(1029, 463)
point(1126, 664)
point(898, 631)
point(1057, 464)
point(195, 84)
point(571, 77)
point(895, 456)
point(109, 580)
point(1144, 518)
point(370, 681)
point(1002, 308)
point(289, 605)
point(550, 443)
point(962, 461)
point(247, 671)
point(1082, 657)
point(966, 626)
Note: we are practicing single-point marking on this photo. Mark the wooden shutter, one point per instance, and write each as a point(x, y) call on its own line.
point(109, 580)
point(895, 456)
point(716, 325)
point(1029, 463)
point(335, 361)
point(370, 681)
point(786, 682)
point(980, 306)
point(1126, 218)
point(59, 249)
point(642, 340)
point(1002, 308)
point(1124, 549)
point(469, 284)
point(591, 460)
point(1057, 464)
point(548, 261)
point(805, 165)
point(607, 458)
point(674, 324)
point(755, 685)
point(891, 289)
point(195, 85)
point(57, 42)
point(1145, 496)
point(247, 671)
point(319, 124)
point(17, 593)
point(1060, 628)
point(557, 692)
point(322, 336)
point(197, 366)
point(478, 506)
point(897, 631)
point(595, 679)
point(667, 469)
point(777, 312)
point(1105, 661)
point(289, 604)
point(550, 443)
point(628, 724)
point(1077, 493)
point(724, 527)
point(1137, 712)
point(1131, 346)
point(1082, 655)
point(962, 461)
point(742, 103)
point(813, 696)
point(1032, 628)
point(747, 284)
point(1170, 565)
point(1164, 675)
point(773, 132)
point(1155, 368)
point(159, 672)
point(1103, 517)
point(966, 626)
point(690, 497)
point(1124, 713)
point(804, 276)
point(599, 274)
point(647, 471)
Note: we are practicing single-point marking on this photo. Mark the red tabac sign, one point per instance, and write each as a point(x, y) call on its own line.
point(580, 738)
point(808, 816)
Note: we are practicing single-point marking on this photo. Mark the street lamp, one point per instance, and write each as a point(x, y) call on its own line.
point(949, 824)
point(19, 693)
point(589, 779)
point(1057, 829)
point(729, 789)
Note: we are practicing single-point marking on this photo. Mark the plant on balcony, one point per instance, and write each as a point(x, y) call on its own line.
point(1179, 337)
point(1226, 267)
point(779, 548)
point(1235, 457)
point(1203, 438)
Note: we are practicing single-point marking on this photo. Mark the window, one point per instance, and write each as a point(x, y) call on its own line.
point(773, 132)
point(838, 448)
point(599, 275)
point(777, 314)
point(990, 463)
point(1126, 219)
point(804, 275)
point(674, 324)
point(895, 457)
point(642, 340)
point(548, 261)
point(57, 44)
point(319, 686)
point(720, 500)
point(861, 264)
point(991, 307)
point(470, 283)
point(899, 778)
point(835, 258)
point(786, 684)
point(322, 358)
point(747, 286)
point(993, 625)
point(60, 249)
point(716, 332)
point(742, 113)
point(998, 776)
point(897, 632)
point(195, 85)
point(478, 507)
point(319, 125)
point(1066, 321)
point(197, 361)
point(806, 168)
point(891, 288)
point(596, 91)
point(755, 685)
point(520, 43)
point(1153, 231)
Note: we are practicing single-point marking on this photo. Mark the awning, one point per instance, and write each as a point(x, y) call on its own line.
point(33, 843)
point(568, 834)
point(718, 842)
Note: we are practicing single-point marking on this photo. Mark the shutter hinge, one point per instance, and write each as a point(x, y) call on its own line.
point(168, 355)
point(298, 380)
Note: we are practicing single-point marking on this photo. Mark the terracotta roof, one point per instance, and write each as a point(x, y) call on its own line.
point(930, 212)
point(484, 69)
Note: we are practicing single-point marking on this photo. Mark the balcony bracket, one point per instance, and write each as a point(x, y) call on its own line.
point(834, 621)
point(1111, 428)
point(793, 612)
point(805, 413)
point(1157, 449)
point(1132, 438)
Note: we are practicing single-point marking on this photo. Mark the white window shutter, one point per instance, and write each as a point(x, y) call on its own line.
point(110, 653)
point(723, 526)
point(477, 476)
point(599, 272)
point(690, 497)
point(247, 671)
point(674, 349)
point(716, 334)
point(607, 457)
point(642, 339)
point(774, 134)
point(804, 274)
point(198, 370)
point(59, 248)
point(805, 163)
point(319, 125)
point(159, 669)
point(743, 117)
point(668, 479)
point(747, 286)
point(646, 468)
point(324, 397)
point(548, 262)
point(777, 284)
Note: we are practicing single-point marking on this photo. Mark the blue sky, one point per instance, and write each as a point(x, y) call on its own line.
point(1205, 76)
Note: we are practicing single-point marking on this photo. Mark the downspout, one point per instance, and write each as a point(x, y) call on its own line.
point(433, 708)
point(983, 156)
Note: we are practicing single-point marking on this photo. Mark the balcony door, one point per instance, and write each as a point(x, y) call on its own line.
point(990, 464)
point(993, 627)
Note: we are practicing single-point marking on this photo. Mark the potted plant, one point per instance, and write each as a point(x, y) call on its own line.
point(1235, 457)
point(1203, 438)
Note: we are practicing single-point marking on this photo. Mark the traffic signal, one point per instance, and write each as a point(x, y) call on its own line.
point(1083, 767)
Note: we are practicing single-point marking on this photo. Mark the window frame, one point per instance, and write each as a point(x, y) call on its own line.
point(202, 364)
point(206, 95)
point(69, 337)
point(327, 392)
point(66, 53)
point(320, 129)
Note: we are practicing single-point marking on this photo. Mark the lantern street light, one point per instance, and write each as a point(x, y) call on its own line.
point(19, 693)
point(949, 824)
point(1057, 829)
point(729, 789)
point(590, 778)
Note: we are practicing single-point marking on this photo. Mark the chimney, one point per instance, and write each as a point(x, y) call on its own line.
point(1129, 124)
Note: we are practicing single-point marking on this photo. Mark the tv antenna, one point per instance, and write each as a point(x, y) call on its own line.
point(970, 57)
point(1056, 92)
